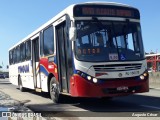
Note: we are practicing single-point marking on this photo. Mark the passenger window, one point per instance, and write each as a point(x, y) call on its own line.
point(14, 56)
point(22, 50)
point(48, 41)
point(18, 54)
point(11, 57)
point(28, 50)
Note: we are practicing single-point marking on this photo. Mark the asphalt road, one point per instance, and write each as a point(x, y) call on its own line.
point(144, 105)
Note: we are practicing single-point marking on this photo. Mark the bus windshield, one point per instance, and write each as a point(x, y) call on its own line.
point(108, 41)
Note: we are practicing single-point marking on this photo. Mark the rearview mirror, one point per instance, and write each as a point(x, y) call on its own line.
point(72, 33)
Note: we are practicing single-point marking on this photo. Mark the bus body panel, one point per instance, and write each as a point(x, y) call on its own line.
point(44, 81)
point(13, 74)
point(38, 75)
point(83, 88)
point(23, 70)
point(116, 67)
point(45, 69)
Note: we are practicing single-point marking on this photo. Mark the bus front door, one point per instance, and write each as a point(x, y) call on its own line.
point(62, 57)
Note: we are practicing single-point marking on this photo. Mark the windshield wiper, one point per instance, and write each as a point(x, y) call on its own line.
point(114, 34)
point(125, 32)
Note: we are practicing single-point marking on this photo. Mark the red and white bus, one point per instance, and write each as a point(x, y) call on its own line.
point(92, 49)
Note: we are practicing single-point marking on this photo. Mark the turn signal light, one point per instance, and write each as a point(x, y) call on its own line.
point(145, 74)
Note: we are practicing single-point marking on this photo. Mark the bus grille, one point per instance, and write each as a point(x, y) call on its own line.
point(116, 67)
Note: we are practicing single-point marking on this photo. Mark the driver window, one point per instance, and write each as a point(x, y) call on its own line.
point(130, 42)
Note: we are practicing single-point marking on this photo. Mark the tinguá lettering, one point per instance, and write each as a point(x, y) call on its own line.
point(23, 69)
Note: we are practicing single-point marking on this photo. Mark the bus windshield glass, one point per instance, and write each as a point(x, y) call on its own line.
point(108, 41)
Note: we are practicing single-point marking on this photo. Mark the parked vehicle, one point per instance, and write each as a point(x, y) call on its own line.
point(2, 76)
point(6, 75)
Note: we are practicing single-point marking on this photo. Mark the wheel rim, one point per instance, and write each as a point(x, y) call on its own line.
point(53, 88)
point(53, 91)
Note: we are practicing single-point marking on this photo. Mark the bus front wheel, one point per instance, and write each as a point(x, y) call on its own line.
point(54, 91)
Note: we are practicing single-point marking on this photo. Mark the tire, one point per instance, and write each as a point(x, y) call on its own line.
point(55, 91)
point(21, 88)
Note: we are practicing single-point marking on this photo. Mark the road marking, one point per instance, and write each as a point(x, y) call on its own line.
point(150, 106)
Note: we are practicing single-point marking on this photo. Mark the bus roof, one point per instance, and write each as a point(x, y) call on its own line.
point(67, 11)
point(105, 3)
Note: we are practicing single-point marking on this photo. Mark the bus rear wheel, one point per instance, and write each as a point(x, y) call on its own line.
point(21, 88)
point(54, 91)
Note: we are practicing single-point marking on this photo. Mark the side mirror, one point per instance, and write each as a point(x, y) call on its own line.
point(72, 33)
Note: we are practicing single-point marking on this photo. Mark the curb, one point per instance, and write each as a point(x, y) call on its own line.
point(154, 88)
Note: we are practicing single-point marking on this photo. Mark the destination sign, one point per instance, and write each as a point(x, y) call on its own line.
point(105, 11)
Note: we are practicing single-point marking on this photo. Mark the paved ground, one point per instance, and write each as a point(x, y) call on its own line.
point(7, 103)
point(126, 107)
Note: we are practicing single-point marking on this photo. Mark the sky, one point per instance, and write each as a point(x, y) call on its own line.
point(19, 18)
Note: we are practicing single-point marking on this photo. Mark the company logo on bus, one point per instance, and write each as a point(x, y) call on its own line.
point(23, 69)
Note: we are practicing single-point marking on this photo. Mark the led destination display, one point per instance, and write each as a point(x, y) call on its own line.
point(105, 11)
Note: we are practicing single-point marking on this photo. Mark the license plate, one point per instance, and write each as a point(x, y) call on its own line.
point(122, 88)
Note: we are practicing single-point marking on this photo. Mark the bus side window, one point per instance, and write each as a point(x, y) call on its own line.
point(48, 41)
point(11, 57)
point(18, 54)
point(14, 56)
point(22, 50)
point(28, 50)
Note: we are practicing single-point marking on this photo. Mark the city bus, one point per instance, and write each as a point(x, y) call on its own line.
point(90, 50)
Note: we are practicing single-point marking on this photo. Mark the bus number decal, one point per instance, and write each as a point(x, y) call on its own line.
point(113, 56)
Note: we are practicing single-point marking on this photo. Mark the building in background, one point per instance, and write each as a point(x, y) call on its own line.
point(153, 62)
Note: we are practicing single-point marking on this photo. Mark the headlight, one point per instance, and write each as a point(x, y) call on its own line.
point(95, 80)
point(89, 77)
point(142, 77)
